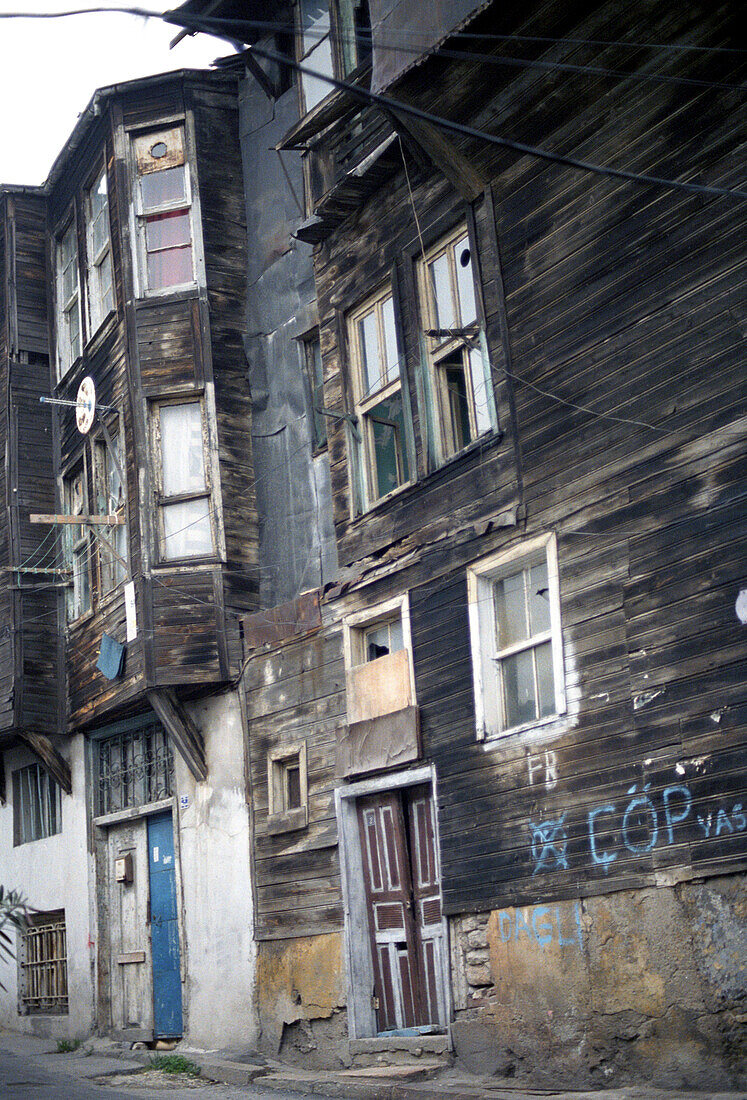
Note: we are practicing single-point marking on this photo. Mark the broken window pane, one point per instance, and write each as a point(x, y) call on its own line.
point(539, 598)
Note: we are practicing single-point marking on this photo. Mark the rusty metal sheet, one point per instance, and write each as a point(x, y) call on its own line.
point(284, 622)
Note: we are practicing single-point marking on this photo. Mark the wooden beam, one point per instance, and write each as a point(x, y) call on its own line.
point(49, 758)
point(3, 791)
point(79, 521)
point(182, 730)
point(443, 154)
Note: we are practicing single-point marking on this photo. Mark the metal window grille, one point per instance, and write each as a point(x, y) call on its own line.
point(43, 960)
point(134, 767)
point(37, 804)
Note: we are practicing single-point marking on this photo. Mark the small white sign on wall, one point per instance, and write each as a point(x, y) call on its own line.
point(131, 617)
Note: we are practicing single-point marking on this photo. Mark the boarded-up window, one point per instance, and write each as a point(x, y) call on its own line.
point(37, 805)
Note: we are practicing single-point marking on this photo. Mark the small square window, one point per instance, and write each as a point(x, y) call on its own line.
point(517, 648)
point(378, 657)
point(287, 781)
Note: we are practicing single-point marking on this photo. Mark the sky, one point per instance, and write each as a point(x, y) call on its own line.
point(49, 69)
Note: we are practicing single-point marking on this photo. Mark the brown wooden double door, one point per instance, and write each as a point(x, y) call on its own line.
point(403, 893)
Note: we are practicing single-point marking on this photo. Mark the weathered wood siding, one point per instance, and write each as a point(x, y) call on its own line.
point(613, 329)
point(296, 692)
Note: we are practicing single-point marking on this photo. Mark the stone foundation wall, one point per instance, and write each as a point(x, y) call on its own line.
point(637, 986)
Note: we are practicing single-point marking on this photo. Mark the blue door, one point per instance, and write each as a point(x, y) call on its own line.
point(164, 929)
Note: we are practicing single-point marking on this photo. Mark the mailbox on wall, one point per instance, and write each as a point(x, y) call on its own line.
point(123, 868)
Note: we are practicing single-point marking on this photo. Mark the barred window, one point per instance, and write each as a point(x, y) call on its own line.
point(134, 767)
point(37, 810)
point(43, 965)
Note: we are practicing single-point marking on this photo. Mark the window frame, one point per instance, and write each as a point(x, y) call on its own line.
point(95, 259)
point(355, 626)
point(339, 62)
point(141, 217)
point(282, 818)
point(366, 400)
point(52, 924)
point(458, 352)
point(75, 548)
point(52, 795)
point(65, 306)
point(207, 493)
point(482, 575)
point(99, 445)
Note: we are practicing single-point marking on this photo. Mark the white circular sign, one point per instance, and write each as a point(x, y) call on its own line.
point(86, 405)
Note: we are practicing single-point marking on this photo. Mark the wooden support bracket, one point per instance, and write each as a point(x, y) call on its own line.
point(443, 154)
point(182, 730)
point(49, 758)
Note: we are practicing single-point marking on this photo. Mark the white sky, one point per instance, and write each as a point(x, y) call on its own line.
point(50, 68)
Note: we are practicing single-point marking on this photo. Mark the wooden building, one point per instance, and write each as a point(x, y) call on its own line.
point(531, 367)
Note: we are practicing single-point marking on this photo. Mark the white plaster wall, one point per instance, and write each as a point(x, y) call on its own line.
point(215, 857)
point(52, 873)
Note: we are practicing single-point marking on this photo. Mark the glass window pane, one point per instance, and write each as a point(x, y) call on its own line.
point(443, 304)
point(368, 340)
point(168, 230)
point(390, 339)
point(182, 455)
point(510, 611)
point(314, 22)
point(465, 281)
point(518, 688)
point(481, 392)
point(106, 287)
point(539, 598)
point(186, 526)
point(396, 641)
point(387, 438)
point(173, 267)
point(164, 187)
point(545, 679)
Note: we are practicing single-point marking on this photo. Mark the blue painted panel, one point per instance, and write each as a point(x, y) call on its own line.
point(164, 929)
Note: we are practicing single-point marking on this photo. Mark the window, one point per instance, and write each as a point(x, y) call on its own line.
point(287, 781)
point(164, 215)
point(42, 964)
point(135, 766)
point(186, 525)
point(312, 353)
point(517, 647)
point(110, 501)
point(100, 285)
point(378, 657)
point(68, 300)
point(77, 545)
point(37, 808)
point(319, 22)
point(377, 392)
point(460, 372)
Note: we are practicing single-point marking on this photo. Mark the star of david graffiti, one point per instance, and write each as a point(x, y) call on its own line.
point(549, 844)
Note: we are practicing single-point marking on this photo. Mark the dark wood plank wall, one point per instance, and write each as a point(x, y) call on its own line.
point(28, 635)
point(296, 692)
point(223, 209)
point(622, 299)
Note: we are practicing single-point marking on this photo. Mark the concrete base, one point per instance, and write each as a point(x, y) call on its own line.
point(400, 1050)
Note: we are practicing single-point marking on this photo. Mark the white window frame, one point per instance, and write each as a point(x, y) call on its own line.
point(206, 493)
point(357, 623)
point(468, 355)
point(67, 306)
point(366, 399)
point(282, 818)
point(481, 578)
point(142, 217)
point(77, 549)
point(97, 258)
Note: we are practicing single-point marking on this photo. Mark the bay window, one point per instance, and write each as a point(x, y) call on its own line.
point(164, 211)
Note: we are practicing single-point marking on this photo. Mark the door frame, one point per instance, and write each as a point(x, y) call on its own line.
point(360, 978)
